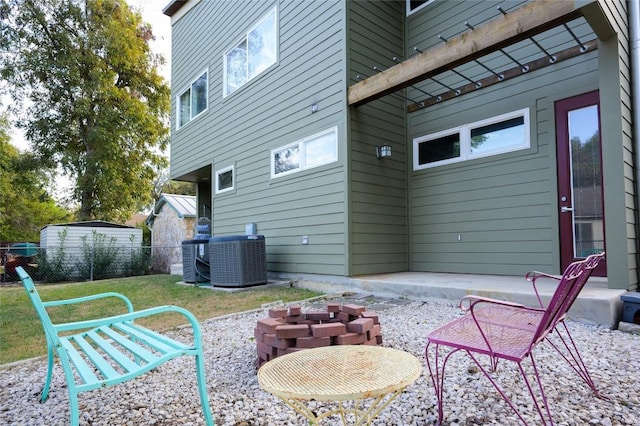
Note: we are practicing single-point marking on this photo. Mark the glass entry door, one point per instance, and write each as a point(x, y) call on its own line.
point(581, 208)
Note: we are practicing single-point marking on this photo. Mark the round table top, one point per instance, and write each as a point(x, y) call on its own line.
point(338, 373)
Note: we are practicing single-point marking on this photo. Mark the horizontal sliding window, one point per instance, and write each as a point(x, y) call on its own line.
point(496, 135)
point(192, 101)
point(256, 52)
point(439, 148)
point(313, 151)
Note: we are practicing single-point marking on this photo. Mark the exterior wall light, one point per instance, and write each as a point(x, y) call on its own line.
point(383, 151)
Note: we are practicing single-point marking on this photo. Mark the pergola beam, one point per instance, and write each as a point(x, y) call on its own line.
point(527, 21)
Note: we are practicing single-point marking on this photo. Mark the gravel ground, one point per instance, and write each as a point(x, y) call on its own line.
point(168, 395)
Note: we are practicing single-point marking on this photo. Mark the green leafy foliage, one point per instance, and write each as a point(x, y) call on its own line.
point(25, 206)
point(98, 106)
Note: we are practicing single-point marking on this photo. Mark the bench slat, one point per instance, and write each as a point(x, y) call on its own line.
point(113, 352)
point(96, 358)
point(84, 371)
point(151, 338)
point(132, 347)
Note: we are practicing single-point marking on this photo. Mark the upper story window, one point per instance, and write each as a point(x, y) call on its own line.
point(415, 5)
point(224, 180)
point(313, 151)
point(193, 101)
point(496, 135)
point(256, 52)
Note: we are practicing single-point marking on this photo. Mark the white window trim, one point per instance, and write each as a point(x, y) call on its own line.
point(411, 12)
point(418, 141)
point(465, 140)
point(301, 153)
point(233, 179)
point(187, 87)
point(246, 37)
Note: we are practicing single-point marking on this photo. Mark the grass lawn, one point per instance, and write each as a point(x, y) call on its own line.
point(22, 336)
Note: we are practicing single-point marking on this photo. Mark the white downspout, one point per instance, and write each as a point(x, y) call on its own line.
point(634, 31)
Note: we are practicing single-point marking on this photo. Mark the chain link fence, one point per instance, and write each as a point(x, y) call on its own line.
point(86, 263)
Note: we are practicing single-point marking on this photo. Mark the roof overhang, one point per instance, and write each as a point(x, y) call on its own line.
point(173, 7)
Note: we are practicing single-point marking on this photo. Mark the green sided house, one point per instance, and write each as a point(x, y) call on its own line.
point(367, 137)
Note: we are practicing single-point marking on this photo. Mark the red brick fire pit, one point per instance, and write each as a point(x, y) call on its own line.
point(290, 330)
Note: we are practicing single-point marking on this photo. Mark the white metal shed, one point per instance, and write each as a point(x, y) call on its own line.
point(74, 237)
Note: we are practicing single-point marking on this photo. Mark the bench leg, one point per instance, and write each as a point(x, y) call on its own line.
point(73, 407)
point(47, 383)
point(202, 388)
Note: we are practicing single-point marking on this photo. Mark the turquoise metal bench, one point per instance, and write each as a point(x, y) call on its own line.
point(112, 350)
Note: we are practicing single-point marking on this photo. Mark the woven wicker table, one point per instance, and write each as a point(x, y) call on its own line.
point(340, 373)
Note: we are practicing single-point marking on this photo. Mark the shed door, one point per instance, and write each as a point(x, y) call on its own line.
point(581, 215)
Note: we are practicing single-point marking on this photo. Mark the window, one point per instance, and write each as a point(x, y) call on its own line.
point(256, 52)
point(415, 5)
point(193, 101)
point(224, 180)
point(314, 151)
point(439, 147)
point(496, 135)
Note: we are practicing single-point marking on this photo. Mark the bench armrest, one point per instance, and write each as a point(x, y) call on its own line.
point(130, 317)
point(89, 298)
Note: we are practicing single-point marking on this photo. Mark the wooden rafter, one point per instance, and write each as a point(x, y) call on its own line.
point(527, 21)
point(537, 64)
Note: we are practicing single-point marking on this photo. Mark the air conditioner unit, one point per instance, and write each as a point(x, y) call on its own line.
point(238, 260)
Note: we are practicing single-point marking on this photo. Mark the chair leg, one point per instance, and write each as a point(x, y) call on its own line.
point(47, 384)
point(530, 389)
point(541, 389)
point(202, 388)
point(568, 350)
point(437, 375)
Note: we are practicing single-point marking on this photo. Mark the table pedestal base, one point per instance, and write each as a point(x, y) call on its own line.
point(363, 416)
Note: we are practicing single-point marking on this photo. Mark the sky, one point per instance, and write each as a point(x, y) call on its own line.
point(151, 11)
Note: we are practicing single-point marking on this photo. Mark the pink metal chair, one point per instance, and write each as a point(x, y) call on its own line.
point(509, 331)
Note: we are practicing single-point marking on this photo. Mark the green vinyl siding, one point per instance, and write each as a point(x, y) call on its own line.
point(377, 187)
point(498, 214)
point(270, 111)
point(364, 215)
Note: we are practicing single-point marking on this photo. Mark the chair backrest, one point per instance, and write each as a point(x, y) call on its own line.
point(590, 263)
point(560, 301)
point(30, 288)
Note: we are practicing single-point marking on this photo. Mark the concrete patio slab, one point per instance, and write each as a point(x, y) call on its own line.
point(595, 304)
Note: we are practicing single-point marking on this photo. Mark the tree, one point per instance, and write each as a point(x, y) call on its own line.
point(25, 206)
point(98, 106)
point(163, 185)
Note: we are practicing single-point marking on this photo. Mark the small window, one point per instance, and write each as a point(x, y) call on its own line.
point(256, 52)
point(193, 101)
point(415, 5)
point(314, 151)
point(440, 148)
point(496, 135)
point(499, 135)
point(224, 180)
